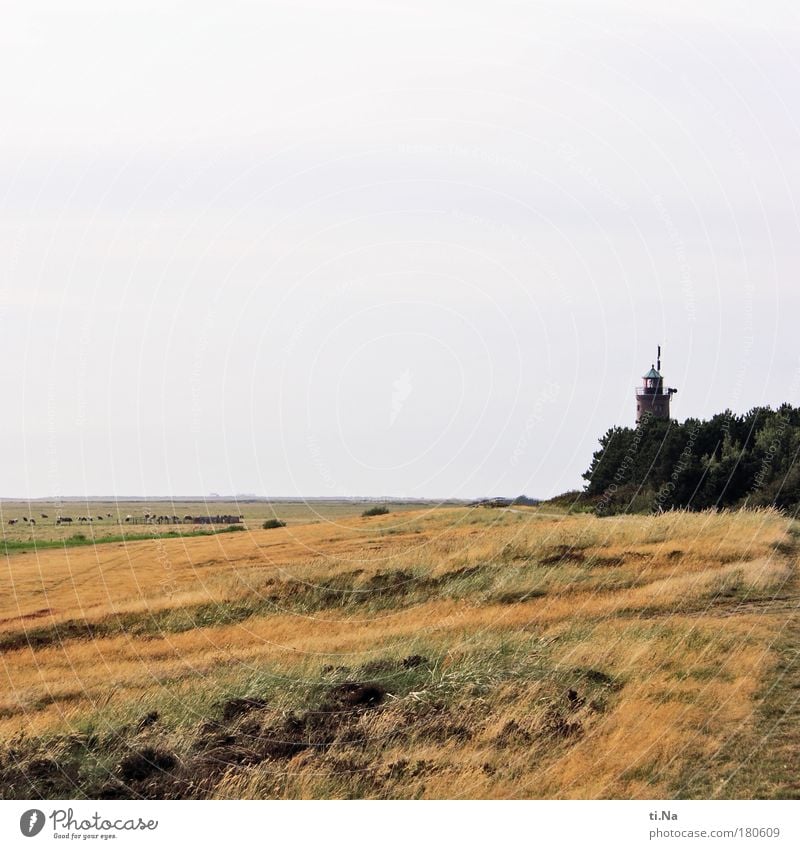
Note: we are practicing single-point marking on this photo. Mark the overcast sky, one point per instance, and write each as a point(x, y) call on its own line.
point(366, 248)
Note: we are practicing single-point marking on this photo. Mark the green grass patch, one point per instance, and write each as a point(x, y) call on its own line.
point(80, 539)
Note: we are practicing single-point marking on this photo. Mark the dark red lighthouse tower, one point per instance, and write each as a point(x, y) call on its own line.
point(651, 397)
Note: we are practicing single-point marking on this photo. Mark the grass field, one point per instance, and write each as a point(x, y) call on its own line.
point(436, 653)
point(108, 517)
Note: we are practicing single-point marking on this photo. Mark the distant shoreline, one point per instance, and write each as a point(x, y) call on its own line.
point(244, 499)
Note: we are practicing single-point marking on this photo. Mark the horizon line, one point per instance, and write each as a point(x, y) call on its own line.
point(247, 497)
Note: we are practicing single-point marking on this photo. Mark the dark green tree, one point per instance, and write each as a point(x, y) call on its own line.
point(727, 461)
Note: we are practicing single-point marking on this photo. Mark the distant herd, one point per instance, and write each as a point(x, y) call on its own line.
point(145, 519)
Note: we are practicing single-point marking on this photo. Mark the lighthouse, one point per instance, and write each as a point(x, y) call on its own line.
point(651, 397)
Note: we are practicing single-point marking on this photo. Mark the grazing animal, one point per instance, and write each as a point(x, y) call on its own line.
point(13, 521)
point(33, 521)
point(108, 515)
point(100, 518)
point(24, 518)
point(44, 515)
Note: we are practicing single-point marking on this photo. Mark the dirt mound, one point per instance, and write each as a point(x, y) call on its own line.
point(391, 579)
point(141, 764)
point(147, 720)
point(512, 734)
point(598, 677)
point(575, 700)
point(519, 596)
point(555, 725)
point(564, 554)
point(353, 694)
point(230, 742)
point(387, 666)
point(234, 708)
point(378, 667)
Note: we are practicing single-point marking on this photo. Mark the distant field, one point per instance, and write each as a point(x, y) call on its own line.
point(436, 653)
point(255, 513)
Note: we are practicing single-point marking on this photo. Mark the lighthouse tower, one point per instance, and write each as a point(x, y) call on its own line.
point(651, 397)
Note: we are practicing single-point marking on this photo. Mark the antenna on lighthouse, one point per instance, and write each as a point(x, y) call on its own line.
point(658, 367)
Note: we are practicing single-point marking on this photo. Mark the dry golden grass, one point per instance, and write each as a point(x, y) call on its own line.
point(664, 627)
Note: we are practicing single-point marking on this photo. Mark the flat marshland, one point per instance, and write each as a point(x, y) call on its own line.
point(436, 653)
point(98, 520)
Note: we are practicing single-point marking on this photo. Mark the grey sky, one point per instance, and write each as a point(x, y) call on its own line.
point(415, 248)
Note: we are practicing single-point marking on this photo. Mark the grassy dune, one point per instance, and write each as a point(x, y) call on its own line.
point(444, 653)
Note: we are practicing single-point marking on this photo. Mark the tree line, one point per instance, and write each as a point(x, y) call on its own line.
point(727, 461)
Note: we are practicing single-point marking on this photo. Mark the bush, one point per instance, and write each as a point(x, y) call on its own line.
point(273, 523)
point(376, 511)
